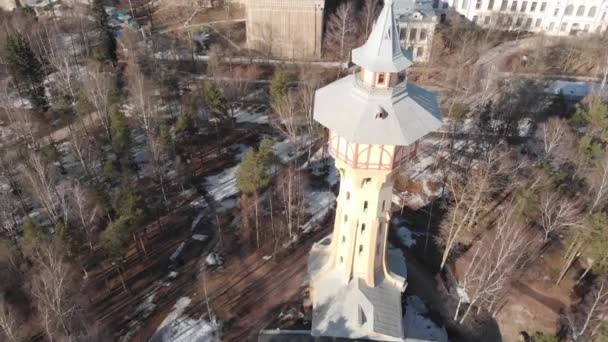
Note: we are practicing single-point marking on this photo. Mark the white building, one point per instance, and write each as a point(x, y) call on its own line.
point(375, 120)
point(417, 21)
point(553, 17)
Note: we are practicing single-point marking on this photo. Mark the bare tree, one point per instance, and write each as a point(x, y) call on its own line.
point(599, 184)
point(341, 31)
point(495, 262)
point(97, 87)
point(51, 289)
point(87, 210)
point(370, 11)
point(8, 323)
point(593, 312)
point(554, 134)
point(557, 212)
point(40, 178)
point(470, 194)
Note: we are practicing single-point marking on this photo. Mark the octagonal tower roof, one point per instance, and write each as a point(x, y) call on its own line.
point(382, 50)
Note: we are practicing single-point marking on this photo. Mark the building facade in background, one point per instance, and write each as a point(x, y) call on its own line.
point(417, 21)
point(375, 120)
point(552, 17)
point(291, 29)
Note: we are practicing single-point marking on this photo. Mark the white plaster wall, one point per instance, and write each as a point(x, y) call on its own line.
point(552, 20)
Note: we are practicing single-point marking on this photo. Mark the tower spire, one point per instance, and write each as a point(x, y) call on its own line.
point(382, 50)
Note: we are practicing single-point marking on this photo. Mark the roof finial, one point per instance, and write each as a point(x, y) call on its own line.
point(382, 50)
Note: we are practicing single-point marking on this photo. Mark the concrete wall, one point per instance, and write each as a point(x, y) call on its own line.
point(563, 17)
point(285, 28)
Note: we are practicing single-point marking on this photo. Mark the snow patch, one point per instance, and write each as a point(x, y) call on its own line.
point(418, 325)
point(406, 237)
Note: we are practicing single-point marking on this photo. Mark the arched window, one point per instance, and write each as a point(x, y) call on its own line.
point(569, 10)
point(580, 11)
point(592, 12)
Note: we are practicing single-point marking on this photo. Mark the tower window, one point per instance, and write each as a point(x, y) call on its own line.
point(362, 227)
point(345, 218)
point(378, 249)
point(366, 181)
point(348, 195)
point(343, 239)
point(381, 78)
point(380, 230)
point(341, 259)
point(360, 249)
point(365, 206)
point(383, 205)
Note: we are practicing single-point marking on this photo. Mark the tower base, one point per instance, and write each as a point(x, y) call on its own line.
point(355, 310)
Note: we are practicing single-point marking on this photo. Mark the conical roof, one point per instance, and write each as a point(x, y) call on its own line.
point(382, 50)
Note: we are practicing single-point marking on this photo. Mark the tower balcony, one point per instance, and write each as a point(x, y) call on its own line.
point(370, 156)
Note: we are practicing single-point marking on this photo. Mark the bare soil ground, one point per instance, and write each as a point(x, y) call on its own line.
point(250, 292)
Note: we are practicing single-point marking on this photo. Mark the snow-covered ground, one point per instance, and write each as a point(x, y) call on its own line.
point(251, 114)
point(318, 204)
point(223, 185)
point(178, 327)
point(288, 150)
point(418, 325)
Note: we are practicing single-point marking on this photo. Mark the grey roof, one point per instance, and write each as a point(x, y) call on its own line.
point(382, 51)
point(349, 108)
point(336, 305)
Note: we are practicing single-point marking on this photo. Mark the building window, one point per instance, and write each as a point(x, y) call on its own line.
point(564, 27)
point(365, 206)
point(347, 195)
point(543, 6)
point(580, 11)
point(362, 318)
point(403, 33)
point(444, 5)
point(490, 5)
point(420, 52)
point(475, 19)
point(381, 78)
point(435, 3)
point(514, 6)
point(413, 33)
point(587, 27)
point(533, 7)
point(341, 259)
point(556, 12)
point(378, 249)
point(551, 26)
point(380, 230)
point(486, 20)
point(604, 16)
point(383, 203)
point(343, 239)
point(360, 249)
point(592, 12)
point(518, 22)
point(538, 22)
point(569, 10)
point(478, 4)
point(598, 30)
point(465, 4)
point(345, 218)
point(528, 23)
point(362, 227)
point(523, 6)
point(422, 34)
point(366, 181)
point(503, 5)
point(509, 22)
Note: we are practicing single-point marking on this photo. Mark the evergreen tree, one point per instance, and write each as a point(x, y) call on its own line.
point(26, 70)
point(121, 136)
point(116, 237)
point(253, 172)
point(279, 86)
point(107, 47)
point(70, 237)
point(215, 100)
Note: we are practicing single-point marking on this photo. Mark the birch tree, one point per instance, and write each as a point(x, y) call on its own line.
point(599, 184)
point(341, 31)
point(495, 261)
point(557, 212)
point(470, 197)
point(52, 291)
point(97, 87)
